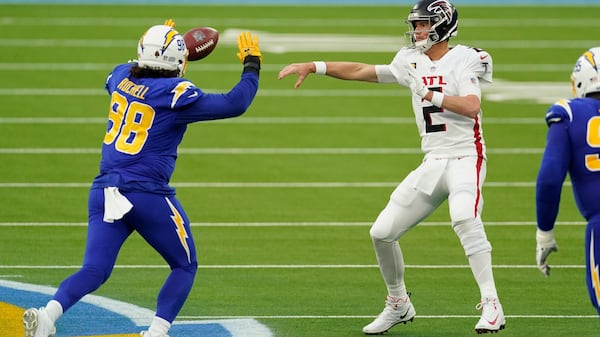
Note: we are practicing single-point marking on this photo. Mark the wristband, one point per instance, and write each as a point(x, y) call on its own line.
point(320, 67)
point(437, 98)
point(252, 64)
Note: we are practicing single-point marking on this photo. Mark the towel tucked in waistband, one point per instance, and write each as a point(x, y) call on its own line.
point(116, 205)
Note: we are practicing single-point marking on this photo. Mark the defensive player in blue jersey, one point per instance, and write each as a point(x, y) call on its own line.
point(573, 146)
point(150, 108)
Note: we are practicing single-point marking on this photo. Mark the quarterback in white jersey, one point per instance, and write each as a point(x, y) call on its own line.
point(446, 100)
point(457, 73)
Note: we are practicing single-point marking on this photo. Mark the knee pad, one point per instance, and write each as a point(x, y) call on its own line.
point(382, 227)
point(472, 236)
point(391, 223)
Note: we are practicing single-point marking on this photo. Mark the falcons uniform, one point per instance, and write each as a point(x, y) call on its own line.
point(572, 146)
point(454, 165)
point(147, 118)
point(458, 73)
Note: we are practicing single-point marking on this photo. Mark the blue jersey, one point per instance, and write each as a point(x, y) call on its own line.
point(573, 146)
point(147, 120)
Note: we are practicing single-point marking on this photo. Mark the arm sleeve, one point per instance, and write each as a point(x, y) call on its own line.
point(552, 173)
point(384, 74)
point(211, 106)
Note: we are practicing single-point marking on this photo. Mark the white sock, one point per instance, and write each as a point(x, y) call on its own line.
point(159, 326)
point(54, 310)
point(481, 266)
point(397, 290)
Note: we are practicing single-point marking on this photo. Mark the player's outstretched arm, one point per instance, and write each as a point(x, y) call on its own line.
point(343, 70)
point(302, 70)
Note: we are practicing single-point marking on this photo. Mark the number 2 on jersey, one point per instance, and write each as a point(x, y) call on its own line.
point(592, 161)
point(130, 124)
point(427, 111)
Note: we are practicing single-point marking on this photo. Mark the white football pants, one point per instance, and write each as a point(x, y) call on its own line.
point(457, 179)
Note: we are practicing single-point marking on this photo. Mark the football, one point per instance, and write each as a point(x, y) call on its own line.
point(200, 42)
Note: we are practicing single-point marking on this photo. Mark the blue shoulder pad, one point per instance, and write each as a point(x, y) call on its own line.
point(559, 111)
point(184, 93)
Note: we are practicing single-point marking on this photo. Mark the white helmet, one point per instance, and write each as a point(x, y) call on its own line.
point(162, 47)
point(585, 78)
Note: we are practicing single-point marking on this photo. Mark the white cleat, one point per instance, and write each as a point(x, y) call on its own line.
point(37, 323)
point(396, 311)
point(492, 317)
point(148, 334)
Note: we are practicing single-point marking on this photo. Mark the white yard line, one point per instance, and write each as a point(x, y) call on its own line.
point(371, 316)
point(269, 151)
point(500, 91)
point(303, 22)
point(234, 67)
point(290, 224)
point(290, 266)
point(274, 120)
point(262, 184)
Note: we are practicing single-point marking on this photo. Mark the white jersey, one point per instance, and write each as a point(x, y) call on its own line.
point(444, 133)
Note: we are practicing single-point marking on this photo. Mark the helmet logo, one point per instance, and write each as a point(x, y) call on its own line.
point(169, 38)
point(441, 7)
point(589, 56)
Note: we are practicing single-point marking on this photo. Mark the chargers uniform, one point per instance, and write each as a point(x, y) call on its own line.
point(150, 106)
point(573, 147)
point(147, 120)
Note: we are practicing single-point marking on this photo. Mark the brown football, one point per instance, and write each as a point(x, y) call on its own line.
point(200, 42)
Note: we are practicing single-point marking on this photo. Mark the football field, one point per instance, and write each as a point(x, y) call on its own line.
point(281, 199)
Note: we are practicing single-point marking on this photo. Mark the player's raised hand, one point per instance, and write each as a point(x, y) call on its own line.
point(545, 244)
point(300, 69)
point(248, 46)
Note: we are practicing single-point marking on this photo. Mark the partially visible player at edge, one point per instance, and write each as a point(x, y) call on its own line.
point(573, 146)
point(445, 83)
point(150, 108)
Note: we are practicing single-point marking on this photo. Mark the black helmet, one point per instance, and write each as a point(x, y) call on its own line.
point(442, 16)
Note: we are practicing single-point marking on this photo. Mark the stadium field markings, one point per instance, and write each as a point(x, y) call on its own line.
point(290, 224)
point(268, 151)
point(292, 266)
point(304, 22)
point(367, 316)
point(269, 120)
point(287, 43)
point(262, 185)
point(236, 68)
point(500, 91)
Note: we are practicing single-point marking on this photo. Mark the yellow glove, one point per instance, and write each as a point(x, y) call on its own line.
point(248, 46)
point(170, 23)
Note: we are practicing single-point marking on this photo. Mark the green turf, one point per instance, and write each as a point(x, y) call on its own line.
point(328, 302)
